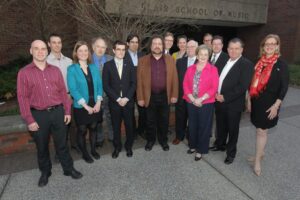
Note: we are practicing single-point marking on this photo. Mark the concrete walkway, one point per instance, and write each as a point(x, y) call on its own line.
point(175, 174)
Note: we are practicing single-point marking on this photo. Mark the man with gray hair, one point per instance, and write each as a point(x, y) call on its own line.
point(180, 107)
point(100, 58)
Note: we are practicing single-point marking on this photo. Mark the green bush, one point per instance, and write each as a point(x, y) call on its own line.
point(294, 71)
point(8, 77)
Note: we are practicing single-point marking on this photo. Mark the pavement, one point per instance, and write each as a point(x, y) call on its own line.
point(174, 174)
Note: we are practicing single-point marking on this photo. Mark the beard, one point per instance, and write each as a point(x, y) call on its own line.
point(157, 51)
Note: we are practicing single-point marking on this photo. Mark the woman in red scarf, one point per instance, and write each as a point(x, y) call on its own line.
point(268, 88)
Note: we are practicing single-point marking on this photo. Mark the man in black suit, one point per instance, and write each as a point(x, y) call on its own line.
point(132, 55)
point(219, 59)
point(234, 81)
point(180, 107)
point(119, 83)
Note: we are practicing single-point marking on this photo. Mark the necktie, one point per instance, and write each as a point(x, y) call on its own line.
point(213, 60)
point(119, 67)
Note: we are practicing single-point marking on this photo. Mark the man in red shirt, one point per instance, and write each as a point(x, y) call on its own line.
point(45, 107)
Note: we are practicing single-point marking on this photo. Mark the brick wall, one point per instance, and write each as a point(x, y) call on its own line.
point(283, 19)
point(20, 25)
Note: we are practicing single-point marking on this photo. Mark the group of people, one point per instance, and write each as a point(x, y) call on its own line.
point(203, 82)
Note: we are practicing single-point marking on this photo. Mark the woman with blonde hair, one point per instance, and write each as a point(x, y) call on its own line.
point(267, 90)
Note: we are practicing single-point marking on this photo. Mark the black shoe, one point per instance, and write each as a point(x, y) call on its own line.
point(99, 144)
point(191, 151)
point(73, 173)
point(165, 147)
point(149, 146)
point(95, 155)
point(115, 154)
point(228, 160)
point(44, 179)
point(217, 149)
point(129, 153)
point(76, 148)
point(87, 158)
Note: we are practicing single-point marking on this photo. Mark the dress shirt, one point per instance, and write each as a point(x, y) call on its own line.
point(225, 71)
point(215, 56)
point(41, 89)
point(119, 64)
point(191, 61)
point(158, 74)
point(62, 63)
point(134, 57)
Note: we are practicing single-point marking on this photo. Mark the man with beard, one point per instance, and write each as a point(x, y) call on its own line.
point(157, 87)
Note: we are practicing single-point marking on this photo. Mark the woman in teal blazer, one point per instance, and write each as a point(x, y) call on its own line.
point(85, 86)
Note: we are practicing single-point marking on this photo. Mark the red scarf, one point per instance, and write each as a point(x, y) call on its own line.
point(262, 74)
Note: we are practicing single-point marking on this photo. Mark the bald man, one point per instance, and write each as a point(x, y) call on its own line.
point(180, 107)
point(45, 107)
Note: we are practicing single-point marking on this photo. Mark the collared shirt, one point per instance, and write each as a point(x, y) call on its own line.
point(158, 74)
point(225, 71)
point(167, 51)
point(41, 89)
point(134, 57)
point(119, 64)
point(99, 61)
point(215, 57)
point(191, 61)
point(62, 63)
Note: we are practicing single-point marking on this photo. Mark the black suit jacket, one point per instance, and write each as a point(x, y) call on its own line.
point(113, 84)
point(181, 65)
point(221, 62)
point(279, 80)
point(235, 85)
point(128, 57)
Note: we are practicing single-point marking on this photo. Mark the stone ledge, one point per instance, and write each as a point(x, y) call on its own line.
point(12, 124)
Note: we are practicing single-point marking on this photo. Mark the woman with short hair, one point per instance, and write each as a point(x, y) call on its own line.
point(200, 86)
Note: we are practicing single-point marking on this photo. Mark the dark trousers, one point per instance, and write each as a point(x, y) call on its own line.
point(200, 126)
point(140, 127)
point(158, 118)
point(51, 122)
point(118, 114)
point(181, 117)
point(228, 124)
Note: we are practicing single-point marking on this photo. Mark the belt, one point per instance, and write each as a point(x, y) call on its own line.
point(49, 109)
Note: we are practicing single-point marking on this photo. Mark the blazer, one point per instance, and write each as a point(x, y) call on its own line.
point(78, 86)
point(221, 62)
point(181, 66)
point(144, 79)
point(113, 84)
point(128, 57)
point(208, 82)
point(279, 80)
point(235, 85)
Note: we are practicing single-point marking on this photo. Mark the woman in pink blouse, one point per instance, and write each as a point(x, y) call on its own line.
point(200, 85)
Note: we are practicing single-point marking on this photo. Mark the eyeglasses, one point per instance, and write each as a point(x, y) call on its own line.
point(270, 44)
point(120, 49)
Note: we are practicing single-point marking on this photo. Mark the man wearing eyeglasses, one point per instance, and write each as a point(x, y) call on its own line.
point(119, 83)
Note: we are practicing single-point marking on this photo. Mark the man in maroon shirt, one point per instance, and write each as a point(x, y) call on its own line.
point(157, 87)
point(45, 107)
